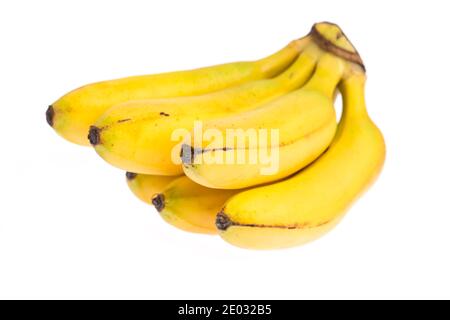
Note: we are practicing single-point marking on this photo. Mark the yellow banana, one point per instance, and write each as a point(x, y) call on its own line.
point(73, 113)
point(141, 136)
point(145, 186)
point(307, 205)
point(304, 122)
point(189, 206)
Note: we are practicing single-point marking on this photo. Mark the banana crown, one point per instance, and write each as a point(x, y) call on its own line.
point(331, 38)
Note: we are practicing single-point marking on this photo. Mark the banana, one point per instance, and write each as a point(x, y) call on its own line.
point(73, 113)
point(305, 124)
point(307, 205)
point(145, 186)
point(141, 136)
point(181, 202)
point(189, 206)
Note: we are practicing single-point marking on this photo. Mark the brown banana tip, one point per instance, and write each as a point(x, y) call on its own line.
point(223, 222)
point(158, 201)
point(94, 135)
point(187, 154)
point(327, 45)
point(130, 175)
point(50, 115)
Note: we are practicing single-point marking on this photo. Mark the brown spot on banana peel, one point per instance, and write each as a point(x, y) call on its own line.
point(50, 115)
point(223, 222)
point(158, 201)
point(327, 45)
point(134, 120)
point(130, 175)
point(94, 135)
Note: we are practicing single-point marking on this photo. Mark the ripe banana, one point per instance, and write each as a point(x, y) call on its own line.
point(73, 113)
point(189, 206)
point(307, 205)
point(305, 124)
point(139, 136)
point(145, 186)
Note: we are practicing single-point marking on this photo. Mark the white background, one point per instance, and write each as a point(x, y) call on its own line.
point(70, 228)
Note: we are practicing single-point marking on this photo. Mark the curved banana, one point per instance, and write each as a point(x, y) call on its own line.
point(145, 136)
point(145, 186)
point(72, 114)
point(189, 206)
point(274, 140)
point(307, 205)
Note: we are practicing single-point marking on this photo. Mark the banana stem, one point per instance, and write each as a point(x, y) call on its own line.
point(325, 79)
point(271, 65)
point(299, 72)
point(352, 89)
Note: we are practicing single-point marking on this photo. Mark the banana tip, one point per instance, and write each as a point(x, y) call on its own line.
point(49, 115)
point(223, 222)
point(158, 201)
point(94, 135)
point(187, 154)
point(130, 175)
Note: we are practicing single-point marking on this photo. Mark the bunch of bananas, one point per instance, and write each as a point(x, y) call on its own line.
point(145, 124)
